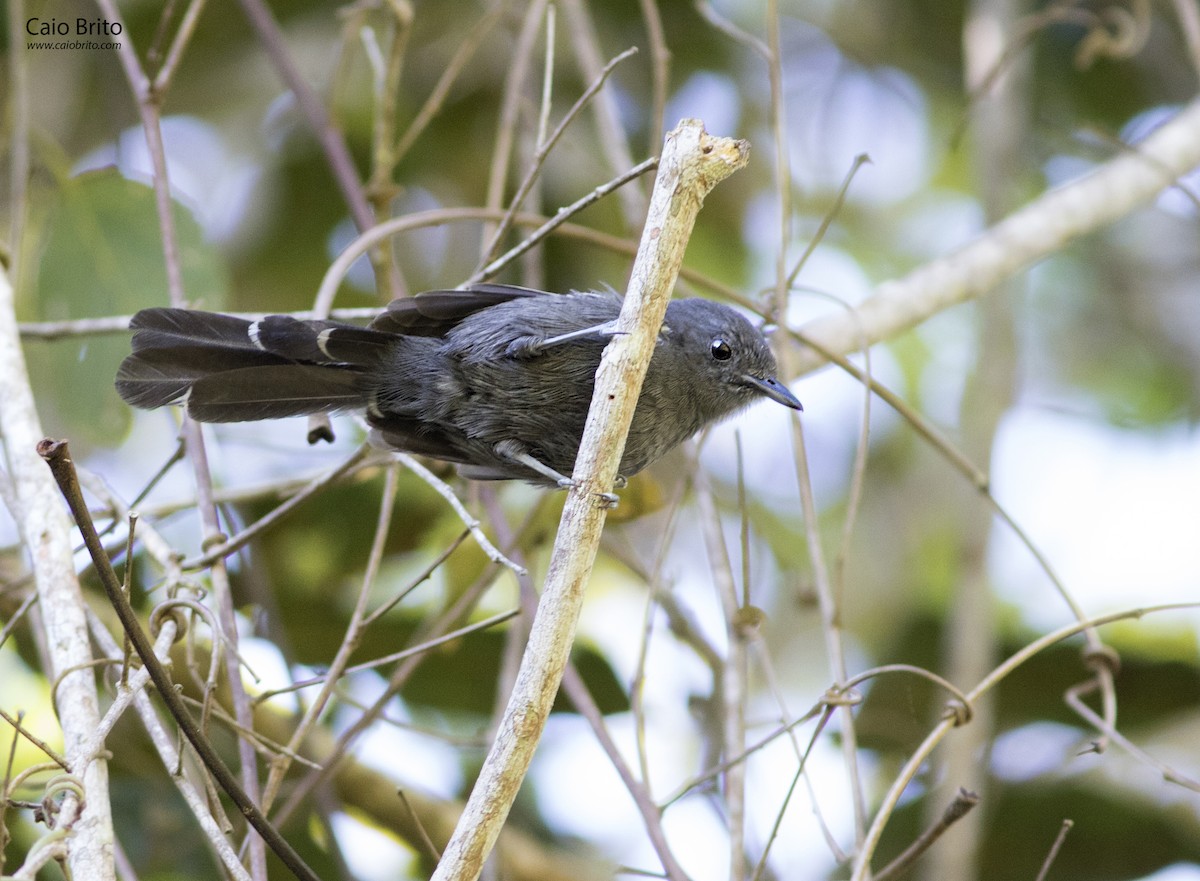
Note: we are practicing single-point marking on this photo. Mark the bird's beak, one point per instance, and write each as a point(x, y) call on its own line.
point(773, 389)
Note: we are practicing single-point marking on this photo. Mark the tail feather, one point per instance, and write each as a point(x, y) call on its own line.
point(167, 328)
point(155, 377)
point(232, 370)
point(319, 342)
point(274, 392)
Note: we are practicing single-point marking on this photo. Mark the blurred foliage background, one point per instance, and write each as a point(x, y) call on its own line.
point(1075, 387)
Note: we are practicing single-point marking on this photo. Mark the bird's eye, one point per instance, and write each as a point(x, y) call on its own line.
point(721, 350)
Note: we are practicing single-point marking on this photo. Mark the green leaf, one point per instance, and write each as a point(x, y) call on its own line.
point(103, 255)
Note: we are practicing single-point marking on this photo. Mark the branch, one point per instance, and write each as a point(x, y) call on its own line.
point(45, 531)
point(692, 164)
point(1043, 227)
point(954, 716)
point(58, 457)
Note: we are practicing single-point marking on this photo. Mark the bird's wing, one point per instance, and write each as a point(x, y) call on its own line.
point(525, 329)
point(436, 313)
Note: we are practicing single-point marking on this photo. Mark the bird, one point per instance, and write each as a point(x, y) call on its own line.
point(496, 379)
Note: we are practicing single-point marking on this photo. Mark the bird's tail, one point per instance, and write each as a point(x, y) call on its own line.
point(229, 369)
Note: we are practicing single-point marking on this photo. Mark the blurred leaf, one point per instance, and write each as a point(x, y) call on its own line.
point(103, 256)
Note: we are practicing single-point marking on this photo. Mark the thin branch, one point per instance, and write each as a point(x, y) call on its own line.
point(660, 68)
point(557, 220)
point(963, 802)
point(609, 131)
point(223, 549)
point(419, 649)
point(952, 718)
point(510, 105)
point(543, 152)
point(1054, 849)
point(167, 745)
point(35, 740)
point(1074, 699)
point(58, 457)
point(353, 636)
point(187, 28)
point(433, 104)
point(341, 163)
point(474, 526)
point(733, 674)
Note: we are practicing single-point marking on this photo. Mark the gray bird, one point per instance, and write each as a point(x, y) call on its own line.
point(495, 378)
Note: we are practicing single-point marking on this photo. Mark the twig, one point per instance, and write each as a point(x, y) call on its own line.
point(761, 866)
point(57, 456)
point(731, 30)
point(733, 674)
point(187, 28)
point(19, 122)
point(476, 528)
point(557, 220)
point(952, 718)
point(224, 548)
point(414, 583)
point(167, 747)
point(1054, 849)
point(543, 152)
point(822, 709)
point(351, 640)
point(341, 163)
point(1189, 23)
point(609, 131)
point(1074, 699)
point(433, 104)
point(963, 802)
point(829, 602)
point(510, 105)
point(35, 740)
point(660, 68)
point(419, 649)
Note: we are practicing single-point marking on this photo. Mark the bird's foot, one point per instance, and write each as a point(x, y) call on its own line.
point(609, 501)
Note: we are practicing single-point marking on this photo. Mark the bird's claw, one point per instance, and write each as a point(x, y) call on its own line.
point(608, 501)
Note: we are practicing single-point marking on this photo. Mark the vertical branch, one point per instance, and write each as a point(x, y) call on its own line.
point(693, 163)
point(830, 616)
point(381, 186)
point(609, 132)
point(147, 99)
point(510, 107)
point(1000, 122)
point(660, 68)
point(350, 642)
point(45, 531)
point(18, 73)
point(733, 680)
point(576, 689)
